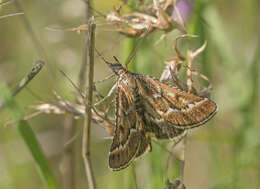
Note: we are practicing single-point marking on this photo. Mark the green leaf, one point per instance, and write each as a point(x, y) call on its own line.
point(30, 139)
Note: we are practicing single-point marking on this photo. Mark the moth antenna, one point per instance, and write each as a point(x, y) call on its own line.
point(116, 59)
point(133, 53)
point(72, 83)
point(99, 54)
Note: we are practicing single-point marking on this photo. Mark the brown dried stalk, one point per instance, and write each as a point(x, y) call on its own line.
point(23, 83)
point(9, 15)
point(6, 3)
point(88, 116)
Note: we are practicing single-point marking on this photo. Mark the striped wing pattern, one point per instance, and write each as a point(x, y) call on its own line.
point(179, 108)
point(145, 105)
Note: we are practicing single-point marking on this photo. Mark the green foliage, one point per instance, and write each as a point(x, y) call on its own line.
point(30, 139)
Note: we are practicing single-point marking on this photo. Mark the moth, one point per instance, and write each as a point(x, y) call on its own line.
point(146, 106)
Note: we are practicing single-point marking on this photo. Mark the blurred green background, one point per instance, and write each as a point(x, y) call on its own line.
point(223, 154)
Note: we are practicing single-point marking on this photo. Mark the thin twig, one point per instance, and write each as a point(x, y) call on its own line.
point(69, 130)
point(6, 3)
point(67, 160)
point(35, 70)
point(138, 43)
point(82, 74)
point(88, 116)
point(12, 14)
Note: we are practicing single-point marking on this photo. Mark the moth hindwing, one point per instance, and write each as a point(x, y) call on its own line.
point(145, 105)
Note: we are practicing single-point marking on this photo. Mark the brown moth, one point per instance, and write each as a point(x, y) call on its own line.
point(146, 106)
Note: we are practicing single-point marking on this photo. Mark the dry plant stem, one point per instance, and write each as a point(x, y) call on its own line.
point(82, 74)
point(35, 70)
point(6, 3)
point(9, 15)
point(88, 116)
point(68, 178)
point(68, 154)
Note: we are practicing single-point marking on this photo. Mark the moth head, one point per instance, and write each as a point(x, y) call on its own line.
point(117, 67)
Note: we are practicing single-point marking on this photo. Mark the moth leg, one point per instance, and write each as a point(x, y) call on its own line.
point(205, 91)
point(108, 95)
point(106, 78)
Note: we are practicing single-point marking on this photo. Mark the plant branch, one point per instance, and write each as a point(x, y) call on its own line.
point(82, 74)
point(68, 179)
point(12, 14)
point(35, 70)
point(88, 116)
point(6, 3)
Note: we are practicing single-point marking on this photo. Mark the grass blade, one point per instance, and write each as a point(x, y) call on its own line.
point(30, 139)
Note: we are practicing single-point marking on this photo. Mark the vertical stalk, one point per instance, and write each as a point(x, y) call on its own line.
point(68, 178)
point(69, 154)
point(88, 116)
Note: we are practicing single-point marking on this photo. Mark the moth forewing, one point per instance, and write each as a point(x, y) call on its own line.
point(180, 108)
point(129, 140)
